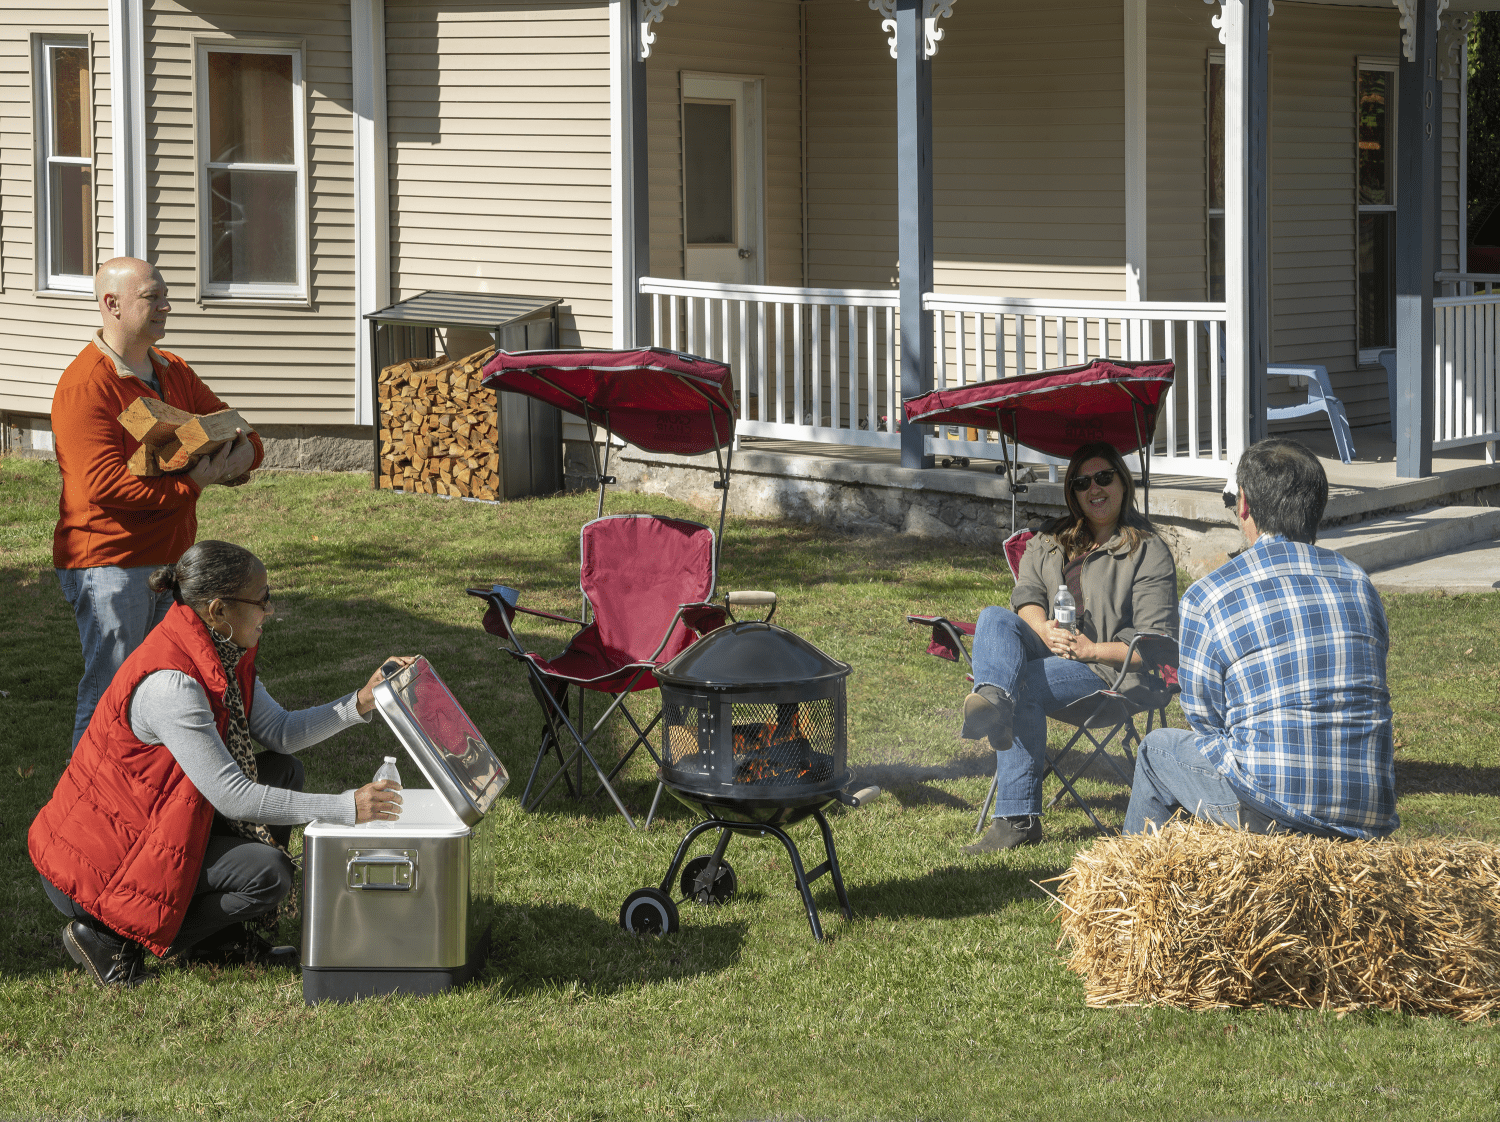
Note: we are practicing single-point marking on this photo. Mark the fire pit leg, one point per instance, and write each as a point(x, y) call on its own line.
point(833, 865)
point(682, 848)
point(802, 877)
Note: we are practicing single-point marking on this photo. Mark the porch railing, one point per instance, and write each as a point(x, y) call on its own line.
point(815, 364)
point(1466, 396)
point(821, 364)
point(981, 337)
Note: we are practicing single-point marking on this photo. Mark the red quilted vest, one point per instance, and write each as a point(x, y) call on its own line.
point(125, 831)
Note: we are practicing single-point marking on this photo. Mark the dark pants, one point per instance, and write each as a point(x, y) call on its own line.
point(240, 879)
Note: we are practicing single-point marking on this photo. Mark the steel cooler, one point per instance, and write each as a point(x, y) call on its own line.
point(386, 904)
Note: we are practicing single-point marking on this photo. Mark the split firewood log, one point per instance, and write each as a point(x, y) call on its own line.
point(173, 440)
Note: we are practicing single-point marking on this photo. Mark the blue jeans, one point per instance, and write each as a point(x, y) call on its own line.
point(1172, 775)
point(1010, 655)
point(115, 609)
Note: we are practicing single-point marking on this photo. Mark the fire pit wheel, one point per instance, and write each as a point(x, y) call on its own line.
point(697, 887)
point(648, 911)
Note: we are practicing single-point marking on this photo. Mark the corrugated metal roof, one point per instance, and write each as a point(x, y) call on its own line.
point(490, 311)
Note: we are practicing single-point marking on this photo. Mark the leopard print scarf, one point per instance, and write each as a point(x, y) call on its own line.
point(242, 748)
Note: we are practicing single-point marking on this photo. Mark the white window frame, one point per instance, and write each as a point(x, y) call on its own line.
point(42, 61)
point(1369, 356)
point(259, 293)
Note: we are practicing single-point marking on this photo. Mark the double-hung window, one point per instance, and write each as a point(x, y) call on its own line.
point(252, 172)
point(65, 165)
point(1375, 195)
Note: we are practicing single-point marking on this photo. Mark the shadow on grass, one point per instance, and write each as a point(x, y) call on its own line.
point(1418, 778)
point(563, 947)
point(951, 892)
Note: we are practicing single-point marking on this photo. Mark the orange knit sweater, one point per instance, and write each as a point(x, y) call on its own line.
point(107, 516)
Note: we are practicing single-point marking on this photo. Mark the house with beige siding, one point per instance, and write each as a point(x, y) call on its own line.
point(848, 200)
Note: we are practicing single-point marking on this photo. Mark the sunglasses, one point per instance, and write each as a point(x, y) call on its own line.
point(1103, 478)
point(263, 603)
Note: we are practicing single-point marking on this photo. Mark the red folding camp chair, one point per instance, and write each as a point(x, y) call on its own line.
point(1055, 411)
point(646, 580)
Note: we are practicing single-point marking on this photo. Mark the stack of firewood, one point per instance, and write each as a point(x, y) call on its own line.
point(172, 439)
point(438, 432)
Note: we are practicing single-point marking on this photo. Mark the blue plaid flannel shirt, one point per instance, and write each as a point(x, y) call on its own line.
point(1283, 679)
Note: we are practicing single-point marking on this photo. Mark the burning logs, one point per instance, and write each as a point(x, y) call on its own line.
point(438, 428)
point(173, 440)
point(1205, 917)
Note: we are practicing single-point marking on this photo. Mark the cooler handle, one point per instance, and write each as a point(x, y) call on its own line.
point(382, 870)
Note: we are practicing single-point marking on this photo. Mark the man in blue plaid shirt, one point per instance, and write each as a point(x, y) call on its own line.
point(1283, 677)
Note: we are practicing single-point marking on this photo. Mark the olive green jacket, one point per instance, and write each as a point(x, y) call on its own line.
point(1123, 592)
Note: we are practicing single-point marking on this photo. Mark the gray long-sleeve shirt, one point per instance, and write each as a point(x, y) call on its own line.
point(170, 708)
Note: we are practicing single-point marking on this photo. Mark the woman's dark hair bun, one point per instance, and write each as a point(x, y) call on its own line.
point(165, 580)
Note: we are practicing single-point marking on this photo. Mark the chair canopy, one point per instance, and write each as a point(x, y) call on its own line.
point(636, 570)
point(1056, 411)
point(658, 400)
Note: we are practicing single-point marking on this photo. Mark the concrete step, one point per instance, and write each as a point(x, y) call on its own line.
point(1475, 568)
point(1399, 539)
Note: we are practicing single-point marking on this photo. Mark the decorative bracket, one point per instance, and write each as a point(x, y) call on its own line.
point(1221, 21)
point(1451, 36)
point(649, 12)
point(1408, 9)
point(932, 11)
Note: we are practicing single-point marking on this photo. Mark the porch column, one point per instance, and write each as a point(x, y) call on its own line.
point(1418, 136)
point(372, 215)
point(127, 95)
point(629, 185)
point(1244, 29)
point(914, 208)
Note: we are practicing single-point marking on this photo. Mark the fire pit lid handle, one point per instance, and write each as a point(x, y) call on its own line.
point(748, 598)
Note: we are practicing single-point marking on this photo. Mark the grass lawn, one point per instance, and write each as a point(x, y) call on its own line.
point(944, 998)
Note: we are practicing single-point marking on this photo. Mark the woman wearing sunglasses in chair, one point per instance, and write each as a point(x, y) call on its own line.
point(1122, 578)
point(169, 827)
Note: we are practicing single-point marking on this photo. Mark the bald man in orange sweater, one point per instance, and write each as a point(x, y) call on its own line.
point(114, 528)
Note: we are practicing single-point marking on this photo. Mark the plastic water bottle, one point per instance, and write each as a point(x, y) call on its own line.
point(1064, 610)
point(388, 770)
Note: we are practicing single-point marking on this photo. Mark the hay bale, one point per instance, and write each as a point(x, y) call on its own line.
point(1205, 917)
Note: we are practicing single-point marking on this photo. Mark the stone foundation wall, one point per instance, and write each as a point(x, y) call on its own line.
point(966, 507)
point(319, 447)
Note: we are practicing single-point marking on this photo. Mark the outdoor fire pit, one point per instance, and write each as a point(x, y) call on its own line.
point(753, 738)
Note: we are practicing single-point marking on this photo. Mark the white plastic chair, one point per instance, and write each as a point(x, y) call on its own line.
point(1320, 399)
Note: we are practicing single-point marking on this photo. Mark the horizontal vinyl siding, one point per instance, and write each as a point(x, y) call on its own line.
point(499, 152)
point(39, 335)
point(1028, 149)
point(276, 365)
point(729, 37)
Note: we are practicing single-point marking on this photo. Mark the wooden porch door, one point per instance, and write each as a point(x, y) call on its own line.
point(722, 140)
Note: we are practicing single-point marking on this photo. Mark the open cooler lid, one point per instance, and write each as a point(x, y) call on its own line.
point(439, 736)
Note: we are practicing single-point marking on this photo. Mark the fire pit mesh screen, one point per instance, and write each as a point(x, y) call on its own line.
point(775, 745)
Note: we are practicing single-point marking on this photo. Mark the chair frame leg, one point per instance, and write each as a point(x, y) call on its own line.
point(555, 710)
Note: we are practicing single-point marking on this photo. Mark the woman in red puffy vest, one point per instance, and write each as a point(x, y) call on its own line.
point(168, 829)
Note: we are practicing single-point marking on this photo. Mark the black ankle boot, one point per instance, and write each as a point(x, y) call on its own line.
point(104, 956)
point(988, 714)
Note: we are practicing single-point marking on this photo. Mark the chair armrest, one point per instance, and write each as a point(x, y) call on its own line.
point(503, 607)
point(947, 637)
point(1158, 651)
point(703, 617)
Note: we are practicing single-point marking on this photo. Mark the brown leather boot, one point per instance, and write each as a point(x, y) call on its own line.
point(1008, 833)
point(988, 714)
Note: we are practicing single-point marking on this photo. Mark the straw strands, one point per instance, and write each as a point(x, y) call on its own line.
point(1205, 917)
